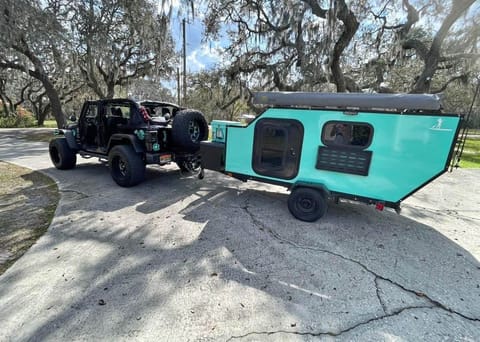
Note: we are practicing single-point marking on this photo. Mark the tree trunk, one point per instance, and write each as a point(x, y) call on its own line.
point(110, 90)
point(350, 28)
point(6, 112)
point(55, 103)
point(41, 118)
point(424, 82)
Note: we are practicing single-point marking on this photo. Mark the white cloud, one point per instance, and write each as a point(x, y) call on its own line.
point(193, 64)
point(213, 51)
point(204, 56)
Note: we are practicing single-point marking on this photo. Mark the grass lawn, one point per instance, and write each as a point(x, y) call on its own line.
point(28, 200)
point(50, 124)
point(471, 154)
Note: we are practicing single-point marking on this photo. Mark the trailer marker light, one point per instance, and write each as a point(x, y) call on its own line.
point(380, 206)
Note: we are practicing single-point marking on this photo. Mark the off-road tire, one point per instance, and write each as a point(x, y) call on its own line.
point(126, 166)
point(189, 127)
point(62, 156)
point(307, 204)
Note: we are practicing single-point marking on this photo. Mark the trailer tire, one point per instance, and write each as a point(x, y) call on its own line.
point(126, 166)
point(189, 127)
point(307, 204)
point(62, 156)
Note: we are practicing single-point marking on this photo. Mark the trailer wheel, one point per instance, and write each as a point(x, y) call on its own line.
point(62, 156)
point(307, 204)
point(188, 129)
point(126, 167)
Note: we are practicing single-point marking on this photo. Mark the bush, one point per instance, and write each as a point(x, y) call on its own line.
point(21, 120)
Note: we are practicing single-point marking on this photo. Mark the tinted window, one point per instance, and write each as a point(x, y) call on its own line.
point(277, 147)
point(118, 110)
point(273, 149)
point(347, 134)
point(91, 111)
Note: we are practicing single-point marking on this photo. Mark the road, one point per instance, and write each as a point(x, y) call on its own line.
point(182, 259)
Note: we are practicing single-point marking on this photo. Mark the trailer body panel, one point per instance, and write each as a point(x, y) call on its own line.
point(402, 151)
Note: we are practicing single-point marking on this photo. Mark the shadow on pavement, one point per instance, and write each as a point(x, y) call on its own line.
point(209, 252)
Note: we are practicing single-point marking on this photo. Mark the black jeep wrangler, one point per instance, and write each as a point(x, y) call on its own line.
point(130, 135)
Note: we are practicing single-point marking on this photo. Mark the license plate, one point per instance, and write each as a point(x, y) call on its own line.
point(165, 158)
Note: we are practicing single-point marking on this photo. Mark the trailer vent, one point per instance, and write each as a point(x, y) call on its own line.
point(344, 159)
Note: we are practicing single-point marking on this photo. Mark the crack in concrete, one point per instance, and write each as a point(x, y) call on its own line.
point(380, 299)
point(330, 333)
point(275, 235)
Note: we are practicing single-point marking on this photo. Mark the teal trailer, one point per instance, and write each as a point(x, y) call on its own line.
point(375, 148)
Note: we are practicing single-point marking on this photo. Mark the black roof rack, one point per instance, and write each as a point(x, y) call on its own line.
point(399, 102)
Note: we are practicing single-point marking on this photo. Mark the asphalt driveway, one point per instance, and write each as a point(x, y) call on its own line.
point(182, 259)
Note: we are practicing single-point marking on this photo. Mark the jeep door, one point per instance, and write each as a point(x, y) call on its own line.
point(88, 125)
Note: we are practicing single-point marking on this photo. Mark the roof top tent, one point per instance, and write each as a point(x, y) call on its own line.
point(376, 148)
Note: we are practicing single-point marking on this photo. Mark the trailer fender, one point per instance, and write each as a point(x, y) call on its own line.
point(121, 139)
point(323, 189)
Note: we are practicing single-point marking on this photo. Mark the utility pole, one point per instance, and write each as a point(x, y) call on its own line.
point(184, 102)
point(178, 86)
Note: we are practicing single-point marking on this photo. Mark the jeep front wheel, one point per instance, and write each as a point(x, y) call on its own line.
point(62, 156)
point(126, 166)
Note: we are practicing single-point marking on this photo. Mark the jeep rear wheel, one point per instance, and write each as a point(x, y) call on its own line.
point(126, 166)
point(188, 129)
point(62, 156)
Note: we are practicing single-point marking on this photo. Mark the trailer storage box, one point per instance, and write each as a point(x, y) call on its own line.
point(219, 129)
point(213, 155)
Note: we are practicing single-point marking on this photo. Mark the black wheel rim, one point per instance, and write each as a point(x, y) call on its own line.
point(194, 130)
point(120, 166)
point(306, 204)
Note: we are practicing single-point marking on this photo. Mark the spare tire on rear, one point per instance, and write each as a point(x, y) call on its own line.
point(188, 129)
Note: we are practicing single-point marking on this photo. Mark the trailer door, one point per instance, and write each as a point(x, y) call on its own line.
point(277, 147)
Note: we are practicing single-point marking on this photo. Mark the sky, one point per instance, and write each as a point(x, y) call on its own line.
point(200, 55)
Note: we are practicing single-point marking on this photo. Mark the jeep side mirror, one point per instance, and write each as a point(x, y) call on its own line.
point(73, 118)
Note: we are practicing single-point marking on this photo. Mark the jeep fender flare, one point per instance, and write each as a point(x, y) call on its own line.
point(70, 137)
point(118, 139)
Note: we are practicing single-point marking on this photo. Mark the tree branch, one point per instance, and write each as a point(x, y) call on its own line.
point(463, 78)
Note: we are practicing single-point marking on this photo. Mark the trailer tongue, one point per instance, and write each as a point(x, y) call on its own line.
point(375, 148)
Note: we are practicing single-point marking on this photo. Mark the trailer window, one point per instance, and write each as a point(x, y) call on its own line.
point(347, 134)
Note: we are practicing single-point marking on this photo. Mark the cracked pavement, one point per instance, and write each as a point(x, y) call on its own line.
point(182, 259)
